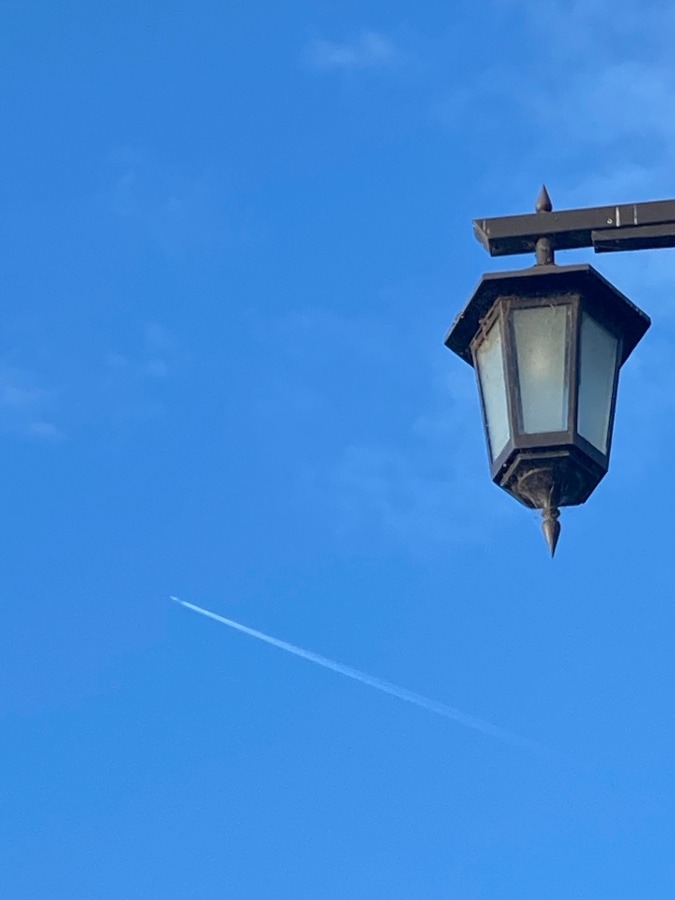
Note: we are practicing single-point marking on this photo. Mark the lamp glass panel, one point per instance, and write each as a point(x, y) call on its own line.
point(541, 353)
point(490, 365)
point(598, 359)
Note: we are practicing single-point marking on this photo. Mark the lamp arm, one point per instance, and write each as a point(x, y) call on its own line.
point(633, 226)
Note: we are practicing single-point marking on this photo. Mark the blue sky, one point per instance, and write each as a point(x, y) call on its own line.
point(233, 237)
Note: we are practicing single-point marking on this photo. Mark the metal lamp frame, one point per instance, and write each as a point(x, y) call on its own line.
point(560, 468)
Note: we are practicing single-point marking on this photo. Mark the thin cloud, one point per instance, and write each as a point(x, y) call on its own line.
point(429, 491)
point(370, 50)
point(157, 368)
point(151, 358)
point(178, 211)
point(25, 405)
point(426, 489)
point(394, 690)
point(45, 431)
point(134, 379)
point(591, 104)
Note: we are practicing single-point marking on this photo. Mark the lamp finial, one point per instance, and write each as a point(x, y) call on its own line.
point(551, 527)
point(543, 203)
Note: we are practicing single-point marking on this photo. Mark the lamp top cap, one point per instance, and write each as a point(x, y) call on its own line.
point(541, 281)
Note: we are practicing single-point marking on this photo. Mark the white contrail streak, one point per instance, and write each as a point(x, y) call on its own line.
point(387, 687)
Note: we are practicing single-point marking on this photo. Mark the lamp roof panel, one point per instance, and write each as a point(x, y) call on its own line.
point(542, 281)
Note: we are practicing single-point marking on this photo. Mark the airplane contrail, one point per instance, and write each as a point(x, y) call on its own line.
point(379, 684)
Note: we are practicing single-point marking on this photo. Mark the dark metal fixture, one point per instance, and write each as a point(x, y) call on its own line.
point(547, 344)
point(632, 226)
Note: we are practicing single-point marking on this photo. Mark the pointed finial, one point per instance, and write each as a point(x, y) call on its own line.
point(543, 203)
point(551, 527)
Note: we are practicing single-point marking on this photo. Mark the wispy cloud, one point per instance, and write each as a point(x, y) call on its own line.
point(430, 490)
point(151, 358)
point(589, 109)
point(176, 210)
point(132, 374)
point(45, 431)
point(369, 50)
point(26, 406)
point(422, 486)
point(394, 690)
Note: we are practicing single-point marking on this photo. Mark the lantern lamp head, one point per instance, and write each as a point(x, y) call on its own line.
point(547, 344)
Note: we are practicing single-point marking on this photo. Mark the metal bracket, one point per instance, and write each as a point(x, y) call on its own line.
point(634, 226)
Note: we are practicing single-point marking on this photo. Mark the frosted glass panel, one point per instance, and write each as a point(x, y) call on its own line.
point(541, 342)
point(598, 363)
point(490, 364)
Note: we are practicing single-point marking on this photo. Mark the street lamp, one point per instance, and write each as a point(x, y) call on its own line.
point(547, 344)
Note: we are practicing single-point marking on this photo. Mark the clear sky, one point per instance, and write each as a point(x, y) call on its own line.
point(233, 236)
